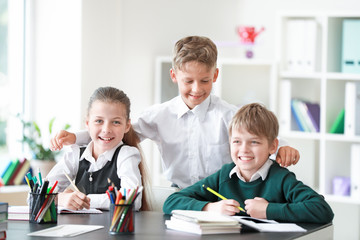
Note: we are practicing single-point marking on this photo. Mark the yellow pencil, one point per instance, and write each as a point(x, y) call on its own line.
point(219, 195)
point(27, 181)
point(71, 182)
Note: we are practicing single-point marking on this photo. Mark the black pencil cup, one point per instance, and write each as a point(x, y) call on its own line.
point(122, 219)
point(43, 208)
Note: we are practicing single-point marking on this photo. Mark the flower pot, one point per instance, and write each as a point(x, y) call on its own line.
point(44, 165)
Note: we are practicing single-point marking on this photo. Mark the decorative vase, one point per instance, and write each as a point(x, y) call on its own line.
point(44, 165)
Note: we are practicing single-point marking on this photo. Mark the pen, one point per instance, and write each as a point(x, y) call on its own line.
point(40, 178)
point(219, 195)
point(71, 181)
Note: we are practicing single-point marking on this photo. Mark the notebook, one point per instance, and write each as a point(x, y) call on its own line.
point(264, 225)
point(65, 230)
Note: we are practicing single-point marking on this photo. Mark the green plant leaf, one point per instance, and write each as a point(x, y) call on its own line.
point(51, 125)
point(32, 138)
point(37, 128)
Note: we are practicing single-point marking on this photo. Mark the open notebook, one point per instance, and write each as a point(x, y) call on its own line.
point(22, 212)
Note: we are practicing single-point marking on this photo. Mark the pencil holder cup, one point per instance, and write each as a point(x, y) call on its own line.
point(122, 219)
point(43, 208)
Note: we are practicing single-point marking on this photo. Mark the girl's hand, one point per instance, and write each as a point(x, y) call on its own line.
point(256, 207)
point(287, 156)
point(62, 138)
point(74, 200)
point(227, 207)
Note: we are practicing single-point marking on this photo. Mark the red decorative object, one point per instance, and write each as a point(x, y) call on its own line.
point(247, 34)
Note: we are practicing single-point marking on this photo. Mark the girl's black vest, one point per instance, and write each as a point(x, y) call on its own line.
point(97, 182)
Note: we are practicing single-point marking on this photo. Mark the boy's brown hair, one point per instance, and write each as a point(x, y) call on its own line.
point(194, 48)
point(256, 119)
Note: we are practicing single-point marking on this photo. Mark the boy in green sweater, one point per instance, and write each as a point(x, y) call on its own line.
point(253, 181)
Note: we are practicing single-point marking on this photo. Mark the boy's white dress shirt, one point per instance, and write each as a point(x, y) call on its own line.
point(193, 143)
point(127, 170)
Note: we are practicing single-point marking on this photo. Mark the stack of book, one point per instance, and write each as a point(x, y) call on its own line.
point(15, 171)
point(3, 219)
point(201, 222)
point(306, 114)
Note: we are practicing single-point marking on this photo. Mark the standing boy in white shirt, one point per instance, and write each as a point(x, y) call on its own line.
point(190, 130)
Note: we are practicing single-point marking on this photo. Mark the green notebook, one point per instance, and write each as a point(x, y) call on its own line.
point(338, 126)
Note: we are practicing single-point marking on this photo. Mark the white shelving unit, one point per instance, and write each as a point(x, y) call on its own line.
point(240, 81)
point(324, 156)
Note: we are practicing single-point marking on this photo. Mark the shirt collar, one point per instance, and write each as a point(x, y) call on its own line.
point(87, 154)
point(262, 172)
point(199, 110)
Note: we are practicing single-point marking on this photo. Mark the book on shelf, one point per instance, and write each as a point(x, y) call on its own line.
point(10, 171)
point(202, 222)
point(17, 170)
point(355, 166)
point(338, 125)
point(313, 111)
point(298, 117)
point(6, 169)
point(19, 178)
point(352, 108)
point(306, 114)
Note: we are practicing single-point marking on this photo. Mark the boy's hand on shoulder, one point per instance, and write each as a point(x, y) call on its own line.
point(287, 156)
point(227, 207)
point(62, 138)
point(74, 200)
point(256, 207)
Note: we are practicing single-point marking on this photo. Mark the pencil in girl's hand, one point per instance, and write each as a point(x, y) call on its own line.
point(71, 181)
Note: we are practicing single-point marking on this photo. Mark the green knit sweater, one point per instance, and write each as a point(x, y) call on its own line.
point(289, 199)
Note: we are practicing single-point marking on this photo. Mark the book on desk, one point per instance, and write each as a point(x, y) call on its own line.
point(202, 222)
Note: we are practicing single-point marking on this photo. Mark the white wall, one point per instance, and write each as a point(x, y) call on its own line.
point(122, 38)
point(54, 62)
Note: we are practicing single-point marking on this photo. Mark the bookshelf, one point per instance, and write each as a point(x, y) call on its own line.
point(238, 83)
point(325, 84)
point(324, 155)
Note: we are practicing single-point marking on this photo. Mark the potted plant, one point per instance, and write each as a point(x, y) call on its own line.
point(42, 157)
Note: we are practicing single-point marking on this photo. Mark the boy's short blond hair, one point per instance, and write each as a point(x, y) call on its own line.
point(194, 48)
point(256, 119)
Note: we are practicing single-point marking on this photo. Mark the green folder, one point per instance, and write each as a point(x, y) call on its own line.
point(338, 126)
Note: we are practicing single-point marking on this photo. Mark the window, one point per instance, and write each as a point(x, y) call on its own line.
point(11, 78)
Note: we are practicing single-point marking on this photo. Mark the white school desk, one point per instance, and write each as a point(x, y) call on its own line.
point(151, 225)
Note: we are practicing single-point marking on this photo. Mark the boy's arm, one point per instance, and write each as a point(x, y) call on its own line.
point(67, 138)
point(145, 126)
point(194, 197)
point(82, 138)
point(286, 155)
point(303, 204)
